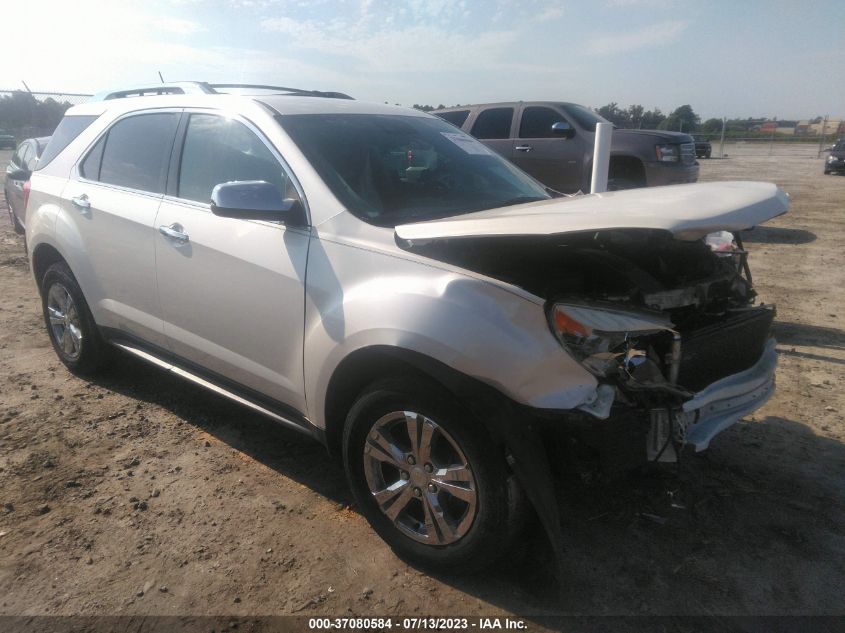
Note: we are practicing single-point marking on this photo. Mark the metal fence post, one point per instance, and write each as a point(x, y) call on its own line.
point(821, 136)
point(722, 140)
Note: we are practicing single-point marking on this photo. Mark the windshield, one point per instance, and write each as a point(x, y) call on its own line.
point(839, 147)
point(391, 169)
point(584, 117)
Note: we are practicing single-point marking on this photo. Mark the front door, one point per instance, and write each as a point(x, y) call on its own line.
point(554, 160)
point(232, 291)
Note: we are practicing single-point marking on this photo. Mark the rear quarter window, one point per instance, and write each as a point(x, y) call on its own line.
point(455, 117)
point(69, 128)
point(493, 123)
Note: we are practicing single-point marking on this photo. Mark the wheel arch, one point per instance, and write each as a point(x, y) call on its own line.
point(44, 255)
point(628, 167)
point(366, 365)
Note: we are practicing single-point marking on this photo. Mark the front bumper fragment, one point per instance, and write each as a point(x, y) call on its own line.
point(726, 401)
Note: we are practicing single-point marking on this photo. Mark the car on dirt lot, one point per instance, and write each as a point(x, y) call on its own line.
point(444, 324)
point(835, 162)
point(703, 148)
point(7, 141)
point(554, 142)
point(18, 172)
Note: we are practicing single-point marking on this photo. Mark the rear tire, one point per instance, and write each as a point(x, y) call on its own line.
point(620, 184)
point(15, 224)
point(441, 501)
point(70, 325)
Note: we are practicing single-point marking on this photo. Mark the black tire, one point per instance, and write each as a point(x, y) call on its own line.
point(93, 353)
point(620, 184)
point(14, 219)
point(492, 528)
point(707, 155)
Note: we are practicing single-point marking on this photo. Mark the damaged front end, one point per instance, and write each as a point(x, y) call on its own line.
point(670, 328)
point(679, 337)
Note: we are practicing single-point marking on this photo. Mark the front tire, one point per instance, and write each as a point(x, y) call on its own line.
point(69, 322)
point(426, 475)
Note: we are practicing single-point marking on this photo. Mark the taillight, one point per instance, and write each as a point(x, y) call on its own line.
point(26, 187)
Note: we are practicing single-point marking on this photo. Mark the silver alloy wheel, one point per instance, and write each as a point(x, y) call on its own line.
point(64, 321)
point(420, 478)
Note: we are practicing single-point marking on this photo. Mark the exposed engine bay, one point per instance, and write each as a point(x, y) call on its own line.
point(654, 318)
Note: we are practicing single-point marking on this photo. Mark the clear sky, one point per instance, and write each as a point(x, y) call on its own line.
point(729, 58)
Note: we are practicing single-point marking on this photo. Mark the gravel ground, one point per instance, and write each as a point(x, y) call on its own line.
point(137, 493)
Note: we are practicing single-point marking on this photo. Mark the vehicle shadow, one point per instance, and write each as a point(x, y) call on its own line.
point(285, 450)
point(777, 235)
point(788, 333)
point(663, 542)
point(693, 540)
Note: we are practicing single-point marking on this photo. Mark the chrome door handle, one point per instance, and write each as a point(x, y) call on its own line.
point(523, 148)
point(81, 202)
point(174, 232)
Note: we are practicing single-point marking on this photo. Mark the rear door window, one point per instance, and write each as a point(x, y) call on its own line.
point(455, 117)
point(493, 123)
point(218, 150)
point(69, 128)
point(537, 122)
point(137, 150)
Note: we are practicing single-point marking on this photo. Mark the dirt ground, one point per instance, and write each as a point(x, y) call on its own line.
point(138, 493)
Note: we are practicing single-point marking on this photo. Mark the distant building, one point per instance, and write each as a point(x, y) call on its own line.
point(832, 126)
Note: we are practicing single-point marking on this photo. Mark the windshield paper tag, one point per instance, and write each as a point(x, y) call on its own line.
point(466, 143)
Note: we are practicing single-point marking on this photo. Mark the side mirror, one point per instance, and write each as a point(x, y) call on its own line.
point(564, 129)
point(18, 174)
point(255, 200)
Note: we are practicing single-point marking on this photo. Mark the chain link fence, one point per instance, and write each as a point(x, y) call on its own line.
point(809, 146)
point(806, 139)
point(26, 114)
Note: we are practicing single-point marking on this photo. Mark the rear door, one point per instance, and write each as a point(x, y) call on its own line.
point(232, 291)
point(493, 126)
point(555, 161)
point(113, 203)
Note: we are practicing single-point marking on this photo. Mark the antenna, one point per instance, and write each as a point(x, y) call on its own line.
point(25, 86)
point(160, 77)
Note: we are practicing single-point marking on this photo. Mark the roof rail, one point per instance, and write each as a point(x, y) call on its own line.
point(201, 87)
point(282, 90)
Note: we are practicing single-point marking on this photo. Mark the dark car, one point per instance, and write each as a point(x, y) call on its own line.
point(553, 141)
point(702, 146)
point(7, 141)
point(17, 178)
point(835, 163)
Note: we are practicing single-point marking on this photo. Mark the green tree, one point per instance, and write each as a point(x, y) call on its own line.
point(711, 126)
point(635, 116)
point(613, 113)
point(652, 119)
point(20, 112)
point(682, 119)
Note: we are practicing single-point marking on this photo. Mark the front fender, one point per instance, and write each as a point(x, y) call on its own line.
point(357, 298)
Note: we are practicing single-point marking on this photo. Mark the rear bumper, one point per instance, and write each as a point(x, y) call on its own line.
point(726, 401)
point(658, 174)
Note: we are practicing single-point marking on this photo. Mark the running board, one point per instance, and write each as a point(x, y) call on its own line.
point(202, 382)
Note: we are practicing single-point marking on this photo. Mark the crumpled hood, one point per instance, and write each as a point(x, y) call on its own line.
point(689, 212)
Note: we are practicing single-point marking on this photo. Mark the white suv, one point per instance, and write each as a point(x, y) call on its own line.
point(374, 277)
